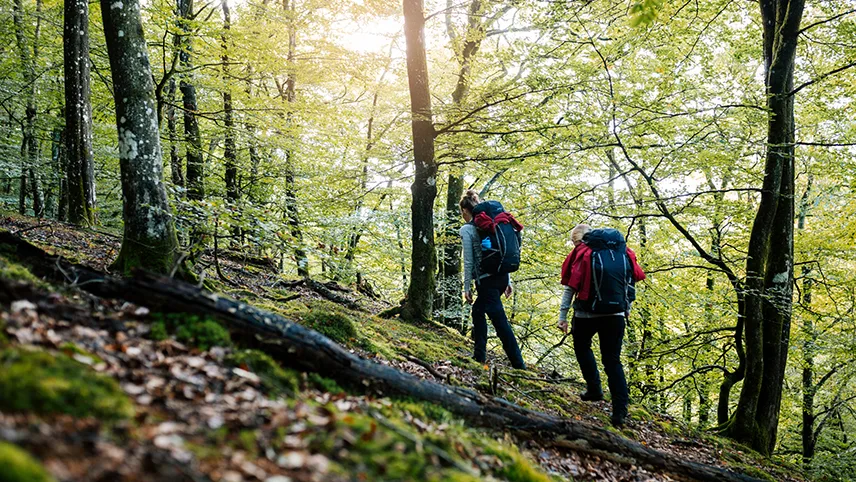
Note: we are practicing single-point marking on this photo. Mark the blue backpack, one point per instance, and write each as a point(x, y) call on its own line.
point(612, 288)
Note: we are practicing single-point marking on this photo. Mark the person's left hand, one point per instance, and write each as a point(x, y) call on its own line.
point(508, 291)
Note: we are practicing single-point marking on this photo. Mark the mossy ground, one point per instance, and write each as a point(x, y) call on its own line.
point(16, 465)
point(193, 330)
point(45, 383)
point(277, 380)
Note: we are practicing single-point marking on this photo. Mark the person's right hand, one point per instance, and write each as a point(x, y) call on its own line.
point(563, 325)
point(469, 297)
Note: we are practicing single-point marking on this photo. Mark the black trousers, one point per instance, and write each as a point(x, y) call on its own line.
point(610, 332)
point(489, 302)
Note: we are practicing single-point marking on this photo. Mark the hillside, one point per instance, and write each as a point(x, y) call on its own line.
point(103, 388)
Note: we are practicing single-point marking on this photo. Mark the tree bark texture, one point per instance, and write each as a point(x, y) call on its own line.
point(449, 283)
point(195, 175)
point(230, 155)
point(423, 257)
point(29, 147)
point(174, 159)
point(769, 266)
point(80, 167)
point(292, 215)
point(149, 235)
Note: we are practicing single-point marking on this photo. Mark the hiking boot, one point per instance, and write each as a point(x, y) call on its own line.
point(590, 396)
point(618, 417)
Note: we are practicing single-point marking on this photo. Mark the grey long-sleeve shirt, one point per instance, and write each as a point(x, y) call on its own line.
point(472, 254)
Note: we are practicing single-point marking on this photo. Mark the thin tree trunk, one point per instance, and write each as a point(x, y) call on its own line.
point(149, 241)
point(808, 348)
point(424, 188)
point(291, 211)
point(230, 155)
point(195, 174)
point(80, 168)
point(174, 159)
point(29, 146)
point(449, 283)
point(59, 162)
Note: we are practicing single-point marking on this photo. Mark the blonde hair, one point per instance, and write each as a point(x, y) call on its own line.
point(469, 200)
point(578, 232)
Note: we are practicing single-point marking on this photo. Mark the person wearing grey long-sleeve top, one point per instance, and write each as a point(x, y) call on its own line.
point(489, 288)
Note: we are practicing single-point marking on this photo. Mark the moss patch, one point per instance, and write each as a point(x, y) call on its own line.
point(335, 325)
point(193, 330)
point(274, 378)
point(14, 271)
point(37, 381)
point(19, 466)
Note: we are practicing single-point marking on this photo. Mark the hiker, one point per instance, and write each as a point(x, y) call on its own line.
point(599, 276)
point(484, 265)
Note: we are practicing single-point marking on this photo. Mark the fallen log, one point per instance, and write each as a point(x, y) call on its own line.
point(305, 349)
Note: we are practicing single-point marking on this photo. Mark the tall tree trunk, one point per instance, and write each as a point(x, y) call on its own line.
point(149, 241)
point(195, 176)
point(769, 266)
point(230, 155)
point(808, 348)
point(174, 159)
point(424, 188)
point(291, 211)
point(29, 147)
point(449, 283)
point(80, 168)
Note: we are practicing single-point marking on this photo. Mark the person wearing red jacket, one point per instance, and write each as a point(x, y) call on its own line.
point(577, 282)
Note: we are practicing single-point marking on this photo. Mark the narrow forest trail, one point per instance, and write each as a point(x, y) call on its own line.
point(205, 409)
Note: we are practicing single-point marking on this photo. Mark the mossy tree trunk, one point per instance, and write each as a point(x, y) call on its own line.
point(149, 235)
point(420, 293)
point(769, 266)
point(80, 168)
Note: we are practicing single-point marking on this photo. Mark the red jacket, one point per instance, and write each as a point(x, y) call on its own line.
point(576, 270)
point(485, 223)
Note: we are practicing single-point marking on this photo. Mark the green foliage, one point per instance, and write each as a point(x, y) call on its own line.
point(275, 378)
point(202, 333)
point(19, 466)
point(41, 382)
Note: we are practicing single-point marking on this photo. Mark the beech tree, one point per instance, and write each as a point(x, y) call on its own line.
point(79, 165)
point(423, 258)
point(770, 260)
point(149, 240)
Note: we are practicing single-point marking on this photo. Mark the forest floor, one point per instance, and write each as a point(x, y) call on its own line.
point(112, 391)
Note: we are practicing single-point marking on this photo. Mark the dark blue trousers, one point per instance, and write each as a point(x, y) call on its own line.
point(610, 332)
point(489, 302)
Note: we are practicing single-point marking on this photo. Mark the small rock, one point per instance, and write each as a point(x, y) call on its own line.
point(232, 476)
point(278, 478)
point(168, 441)
point(215, 422)
point(22, 305)
point(132, 389)
point(292, 460)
